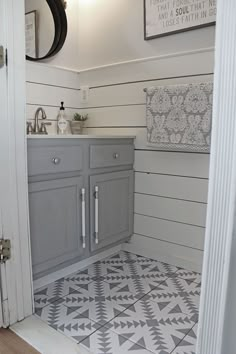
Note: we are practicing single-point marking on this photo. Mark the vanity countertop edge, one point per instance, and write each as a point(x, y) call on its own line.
point(82, 136)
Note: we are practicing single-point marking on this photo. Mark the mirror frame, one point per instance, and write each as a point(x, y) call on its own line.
point(61, 26)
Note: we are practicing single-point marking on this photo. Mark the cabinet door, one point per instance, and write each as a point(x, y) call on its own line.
point(55, 222)
point(111, 215)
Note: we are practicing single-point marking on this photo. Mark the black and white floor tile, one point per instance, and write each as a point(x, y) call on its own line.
point(54, 291)
point(188, 344)
point(178, 293)
point(101, 302)
point(67, 321)
point(125, 304)
point(189, 275)
point(105, 341)
point(160, 328)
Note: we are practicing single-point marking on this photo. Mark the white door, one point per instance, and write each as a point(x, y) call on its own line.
point(1, 319)
point(15, 274)
point(4, 320)
point(1, 302)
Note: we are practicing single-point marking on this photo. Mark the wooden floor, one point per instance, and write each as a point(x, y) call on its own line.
point(10, 343)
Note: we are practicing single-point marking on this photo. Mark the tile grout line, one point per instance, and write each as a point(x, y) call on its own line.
point(183, 338)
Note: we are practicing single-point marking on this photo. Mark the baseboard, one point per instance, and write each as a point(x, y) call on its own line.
point(177, 255)
point(50, 278)
point(189, 259)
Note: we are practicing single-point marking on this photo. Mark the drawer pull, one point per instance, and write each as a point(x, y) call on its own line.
point(83, 217)
point(96, 215)
point(116, 155)
point(56, 160)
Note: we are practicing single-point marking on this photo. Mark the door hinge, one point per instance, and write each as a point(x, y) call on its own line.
point(5, 250)
point(3, 56)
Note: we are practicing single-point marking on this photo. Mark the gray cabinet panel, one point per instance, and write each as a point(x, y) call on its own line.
point(115, 207)
point(55, 222)
point(111, 155)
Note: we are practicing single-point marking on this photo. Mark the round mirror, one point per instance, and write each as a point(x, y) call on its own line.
point(45, 28)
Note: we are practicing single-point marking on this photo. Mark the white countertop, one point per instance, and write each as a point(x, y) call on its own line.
point(81, 136)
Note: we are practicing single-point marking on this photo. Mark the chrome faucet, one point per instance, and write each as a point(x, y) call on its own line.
point(35, 128)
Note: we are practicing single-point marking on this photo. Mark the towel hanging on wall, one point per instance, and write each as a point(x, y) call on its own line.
point(179, 117)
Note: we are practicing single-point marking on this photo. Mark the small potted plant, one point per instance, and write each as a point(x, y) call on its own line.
point(77, 123)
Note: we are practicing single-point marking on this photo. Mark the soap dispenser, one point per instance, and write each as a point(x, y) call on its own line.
point(62, 122)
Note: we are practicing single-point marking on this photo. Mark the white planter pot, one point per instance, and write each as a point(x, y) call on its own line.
point(76, 127)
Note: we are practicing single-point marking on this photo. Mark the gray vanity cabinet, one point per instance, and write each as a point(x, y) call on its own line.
point(111, 208)
point(55, 221)
point(80, 198)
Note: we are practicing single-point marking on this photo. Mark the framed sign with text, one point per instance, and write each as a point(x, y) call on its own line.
point(31, 34)
point(164, 17)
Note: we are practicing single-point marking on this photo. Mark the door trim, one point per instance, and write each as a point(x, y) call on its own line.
point(14, 191)
point(222, 175)
point(222, 188)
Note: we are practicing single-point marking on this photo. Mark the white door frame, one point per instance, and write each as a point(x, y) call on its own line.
point(222, 188)
point(16, 273)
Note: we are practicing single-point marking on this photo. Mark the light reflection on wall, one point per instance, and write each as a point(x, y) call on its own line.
point(86, 2)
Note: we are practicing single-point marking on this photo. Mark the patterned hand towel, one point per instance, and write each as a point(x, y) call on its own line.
point(179, 117)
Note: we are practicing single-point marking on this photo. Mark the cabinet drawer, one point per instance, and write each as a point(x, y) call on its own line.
point(111, 155)
point(56, 159)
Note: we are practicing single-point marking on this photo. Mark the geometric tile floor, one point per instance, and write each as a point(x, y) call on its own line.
point(125, 304)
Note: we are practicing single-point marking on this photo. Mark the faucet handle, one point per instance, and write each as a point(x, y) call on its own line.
point(43, 128)
point(29, 129)
point(44, 116)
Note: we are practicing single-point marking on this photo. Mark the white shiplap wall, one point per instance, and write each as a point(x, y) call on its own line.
point(170, 187)
point(47, 87)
